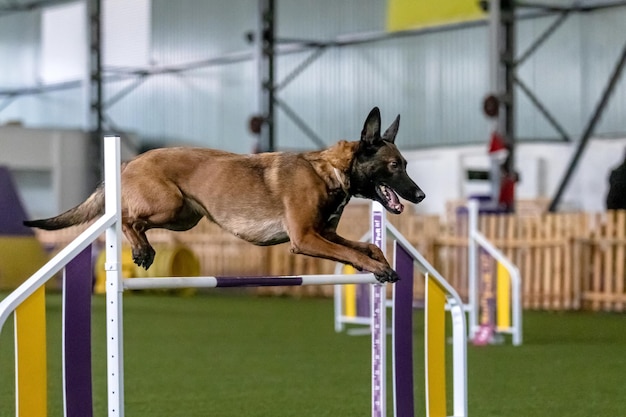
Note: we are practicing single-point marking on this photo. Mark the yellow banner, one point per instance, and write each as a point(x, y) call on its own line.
point(412, 14)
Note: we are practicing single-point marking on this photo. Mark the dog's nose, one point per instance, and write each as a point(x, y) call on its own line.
point(419, 196)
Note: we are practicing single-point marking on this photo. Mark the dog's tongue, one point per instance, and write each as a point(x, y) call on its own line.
point(392, 200)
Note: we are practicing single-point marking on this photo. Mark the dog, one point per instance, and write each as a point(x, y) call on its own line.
point(265, 199)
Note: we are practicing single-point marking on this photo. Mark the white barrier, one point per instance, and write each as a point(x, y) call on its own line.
point(510, 299)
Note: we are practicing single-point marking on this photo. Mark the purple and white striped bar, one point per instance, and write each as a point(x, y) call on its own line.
point(379, 321)
point(239, 282)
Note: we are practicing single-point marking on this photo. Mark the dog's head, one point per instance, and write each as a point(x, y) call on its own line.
point(379, 170)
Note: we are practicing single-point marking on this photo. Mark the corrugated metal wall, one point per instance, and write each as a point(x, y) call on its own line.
point(601, 44)
point(19, 39)
point(208, 106)
point(436, 81)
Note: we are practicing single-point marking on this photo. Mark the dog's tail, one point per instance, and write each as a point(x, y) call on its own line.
point(89, 209)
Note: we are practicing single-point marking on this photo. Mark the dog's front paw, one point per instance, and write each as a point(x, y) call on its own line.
point(387, 275)
point(376, 254)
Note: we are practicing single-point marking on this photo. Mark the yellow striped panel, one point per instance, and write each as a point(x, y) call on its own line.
point(410, 14)
point(349, 294)
point(349, 300)
point(435, 349)
point(30, 351)
point(503, 298)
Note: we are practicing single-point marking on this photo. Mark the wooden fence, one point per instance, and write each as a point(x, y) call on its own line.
point(602, 264)
point(541, 246)
point(567, 260)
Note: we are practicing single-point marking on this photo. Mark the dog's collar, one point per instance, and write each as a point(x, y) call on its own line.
point(343, 185)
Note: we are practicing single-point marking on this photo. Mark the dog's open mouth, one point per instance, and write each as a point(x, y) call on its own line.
point(389, 199)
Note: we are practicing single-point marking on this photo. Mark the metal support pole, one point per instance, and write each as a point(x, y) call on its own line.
point(541, 39)
point(507, 16)
point(495, 73)
point(502, 85)
point(265, 48)
point(93, 87)
point(543, 110)
point(496, 86)
point(297, 120)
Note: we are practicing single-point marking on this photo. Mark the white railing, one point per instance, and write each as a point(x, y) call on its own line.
point(59, 261)
point(478, 241)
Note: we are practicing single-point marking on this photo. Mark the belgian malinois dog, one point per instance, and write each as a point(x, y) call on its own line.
point(265, 199)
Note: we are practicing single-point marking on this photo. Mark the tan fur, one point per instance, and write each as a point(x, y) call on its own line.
point(264, 199)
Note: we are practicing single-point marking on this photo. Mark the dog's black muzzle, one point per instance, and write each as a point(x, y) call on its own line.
point(412, 193)
point(418, 196)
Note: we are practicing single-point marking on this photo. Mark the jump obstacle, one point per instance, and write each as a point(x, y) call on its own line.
point(495, 303)
point(493, 306)
point(26, 303)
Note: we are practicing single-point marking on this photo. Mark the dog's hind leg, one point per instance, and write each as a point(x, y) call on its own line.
point(143, 253)
point(150, 204)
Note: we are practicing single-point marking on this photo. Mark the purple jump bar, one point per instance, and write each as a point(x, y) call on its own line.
point(225, 282)
point(233, 282)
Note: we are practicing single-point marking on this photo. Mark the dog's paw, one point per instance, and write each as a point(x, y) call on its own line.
point(387, 275)
point(376, 254)
point(144, 257)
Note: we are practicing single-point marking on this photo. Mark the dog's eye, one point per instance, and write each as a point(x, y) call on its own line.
point(393, 164)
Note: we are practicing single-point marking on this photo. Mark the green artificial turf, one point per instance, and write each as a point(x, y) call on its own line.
point(230, 354)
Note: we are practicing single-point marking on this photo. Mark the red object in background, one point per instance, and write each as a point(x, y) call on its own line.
point(506, 199)
point(496, 144)
point(508, 177)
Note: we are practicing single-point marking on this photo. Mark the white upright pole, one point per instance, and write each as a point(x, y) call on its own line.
point(338, 308)
point(379, 322)
point(472, 226)
point(115, 353)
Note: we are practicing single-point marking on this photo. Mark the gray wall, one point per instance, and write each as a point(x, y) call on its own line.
point(436, 81)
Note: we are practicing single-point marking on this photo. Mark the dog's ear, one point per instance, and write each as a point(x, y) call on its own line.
point(392, 130)
point(371, 128)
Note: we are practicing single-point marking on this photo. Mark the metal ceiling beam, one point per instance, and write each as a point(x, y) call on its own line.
point(542, 109)
point(300, 68)
point(297, 120)
point(39, 89)
point(542, 38)
point(575, 7)
point(283, 46)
